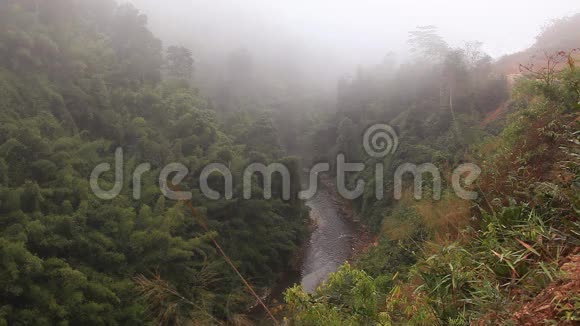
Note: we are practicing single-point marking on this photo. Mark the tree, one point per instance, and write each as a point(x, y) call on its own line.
point(426, 42)
point(179, 63)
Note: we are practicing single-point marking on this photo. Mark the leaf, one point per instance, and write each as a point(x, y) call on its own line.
point(527, 246)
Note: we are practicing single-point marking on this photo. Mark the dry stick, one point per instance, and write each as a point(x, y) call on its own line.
point(486, 200)
point(228, 260)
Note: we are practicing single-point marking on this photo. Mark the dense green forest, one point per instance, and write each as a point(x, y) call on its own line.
point(82, 78)
point(77, 80)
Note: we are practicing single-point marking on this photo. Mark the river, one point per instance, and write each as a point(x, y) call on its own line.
point(329, 246)
point(331, 242)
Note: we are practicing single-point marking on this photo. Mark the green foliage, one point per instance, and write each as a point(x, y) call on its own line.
point(74, 87)
point(348, 297)
point(525, 221)
point(179, 63)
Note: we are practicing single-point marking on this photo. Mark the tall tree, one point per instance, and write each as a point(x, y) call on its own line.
point(179, 63)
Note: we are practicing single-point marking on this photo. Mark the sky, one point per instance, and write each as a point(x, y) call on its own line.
point(504, 26)
point(346, 33)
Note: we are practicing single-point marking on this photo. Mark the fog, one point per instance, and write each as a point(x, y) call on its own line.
point(319, 41)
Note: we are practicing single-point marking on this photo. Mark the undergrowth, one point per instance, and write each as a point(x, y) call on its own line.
point(519, 231)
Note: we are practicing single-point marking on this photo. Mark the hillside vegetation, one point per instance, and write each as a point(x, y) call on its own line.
point(77, 80)
point(510, 256)
point(83, 80)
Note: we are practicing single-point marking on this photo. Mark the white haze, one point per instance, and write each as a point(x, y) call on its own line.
point(324, 39)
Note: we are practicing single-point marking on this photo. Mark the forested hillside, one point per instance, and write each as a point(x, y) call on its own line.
point(85, 83)
point(509, 257)
point(77, 80)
